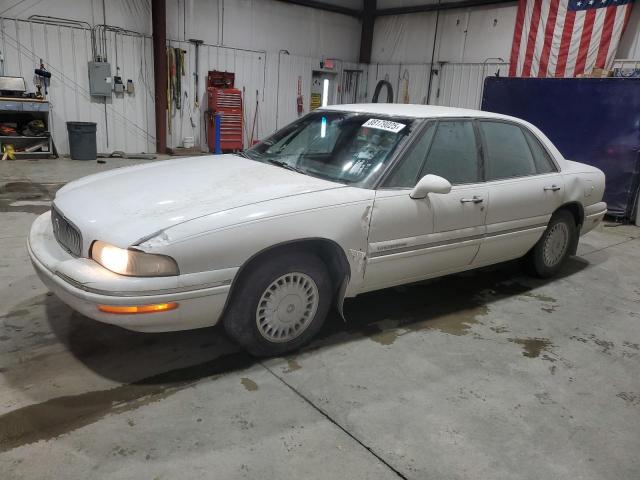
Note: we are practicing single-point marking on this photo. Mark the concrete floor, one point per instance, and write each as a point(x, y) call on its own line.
point(485, 375)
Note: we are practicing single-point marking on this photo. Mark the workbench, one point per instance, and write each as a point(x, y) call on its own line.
point(21, 111)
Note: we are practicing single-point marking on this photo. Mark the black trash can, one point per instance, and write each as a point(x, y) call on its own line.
point(82, 140)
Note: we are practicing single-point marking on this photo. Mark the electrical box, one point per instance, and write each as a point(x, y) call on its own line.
point(100, 81)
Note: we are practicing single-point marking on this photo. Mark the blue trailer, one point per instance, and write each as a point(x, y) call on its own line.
point(591, 120)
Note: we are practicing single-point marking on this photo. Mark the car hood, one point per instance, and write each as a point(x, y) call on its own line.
point(125, 205)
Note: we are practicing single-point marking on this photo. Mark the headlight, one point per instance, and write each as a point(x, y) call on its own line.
point(133, 262)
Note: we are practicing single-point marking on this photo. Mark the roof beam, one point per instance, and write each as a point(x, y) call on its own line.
point(438, 6)
point(329, 7)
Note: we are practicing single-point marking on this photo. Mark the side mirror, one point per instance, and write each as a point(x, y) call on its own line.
point(430, 184)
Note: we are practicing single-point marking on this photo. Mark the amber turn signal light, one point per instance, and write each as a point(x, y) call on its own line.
point(133, 309)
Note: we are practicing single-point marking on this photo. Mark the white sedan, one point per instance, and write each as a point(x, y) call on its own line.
point(346, 200)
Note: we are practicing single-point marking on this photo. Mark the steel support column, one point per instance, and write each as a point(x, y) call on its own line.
point(366, 36)
point(159, 24)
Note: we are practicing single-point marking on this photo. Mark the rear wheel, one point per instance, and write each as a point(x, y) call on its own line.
point(280, 304)
point(552, 250)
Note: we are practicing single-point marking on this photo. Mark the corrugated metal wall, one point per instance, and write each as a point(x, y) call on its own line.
point(461, 84)
point(454, 84)
point(129, 124)
point(250, 74)
point(130, 121)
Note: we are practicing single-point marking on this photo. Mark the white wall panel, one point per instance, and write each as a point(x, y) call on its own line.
point(630, 41)
point(265, 25)
point(249, 69)
point(65, 51)
point(470, 35)
point(461, 85)
point(398, 74)
point(132, 15)
point(455, 84)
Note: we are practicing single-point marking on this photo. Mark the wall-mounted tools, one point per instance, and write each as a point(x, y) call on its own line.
point(44, 78)
point(175, 72)
point(196, 43)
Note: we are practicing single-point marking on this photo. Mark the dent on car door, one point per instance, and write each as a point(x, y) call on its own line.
point(524, 186)
point(411, 239)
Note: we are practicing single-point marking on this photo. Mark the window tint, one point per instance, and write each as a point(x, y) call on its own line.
point(405, 175)
point(541, 158)
point(507, 151)
point(453, 154)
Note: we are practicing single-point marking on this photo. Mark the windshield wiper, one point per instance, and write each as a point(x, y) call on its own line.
point(244, 154)
point(282, 164)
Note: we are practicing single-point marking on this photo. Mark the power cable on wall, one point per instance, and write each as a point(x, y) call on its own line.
point(63, 77)
point(433, 52)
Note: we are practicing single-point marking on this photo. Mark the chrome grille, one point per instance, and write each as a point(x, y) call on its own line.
point(66, 234)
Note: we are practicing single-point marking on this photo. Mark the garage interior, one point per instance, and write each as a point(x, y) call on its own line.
point(486, 374)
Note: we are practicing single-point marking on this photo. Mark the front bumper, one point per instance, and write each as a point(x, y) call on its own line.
point(83, 284)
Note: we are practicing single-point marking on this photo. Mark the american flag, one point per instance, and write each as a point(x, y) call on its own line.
point(565, 38)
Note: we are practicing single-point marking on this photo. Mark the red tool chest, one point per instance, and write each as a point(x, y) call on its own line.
point(227, 102)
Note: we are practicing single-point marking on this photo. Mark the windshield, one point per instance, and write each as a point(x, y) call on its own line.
point(338, 146)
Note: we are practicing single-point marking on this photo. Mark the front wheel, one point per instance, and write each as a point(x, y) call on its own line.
point(549, 254)
point(280, 304)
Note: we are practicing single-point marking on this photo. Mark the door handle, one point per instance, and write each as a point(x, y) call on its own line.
point(553, 188)
point(474, 199)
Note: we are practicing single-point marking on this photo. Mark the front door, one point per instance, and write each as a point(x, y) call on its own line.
point(413, 239)
point(524, 187)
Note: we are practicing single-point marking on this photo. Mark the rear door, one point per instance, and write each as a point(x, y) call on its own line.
point(412, 239)
point(524, 189)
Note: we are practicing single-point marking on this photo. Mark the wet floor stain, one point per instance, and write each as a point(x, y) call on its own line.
point(606, 346)
point(60, 415)
point(457, 324)
point(249, 384)
point(27, 197)
point(532, 347)
point(122, 451)
point(386, 337)
point(542, 298)
point(451, 305)
point(499, 329)
point(544, 398)
point(292, 365)
point(630, 398)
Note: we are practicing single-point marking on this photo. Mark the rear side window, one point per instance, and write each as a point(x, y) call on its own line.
point(541, 158)
point(453, 154)
point(507, 151)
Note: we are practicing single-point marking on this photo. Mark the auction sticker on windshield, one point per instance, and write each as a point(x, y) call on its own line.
point(387, 125)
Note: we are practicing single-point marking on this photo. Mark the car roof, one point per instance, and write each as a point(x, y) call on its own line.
point(416, 111)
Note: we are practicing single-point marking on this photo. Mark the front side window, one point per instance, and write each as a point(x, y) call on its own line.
point(405, 175)
point(453, 154)
point(342, 147)
point(507, 152)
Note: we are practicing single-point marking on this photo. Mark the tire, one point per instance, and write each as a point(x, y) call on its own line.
point(294, 292)
point(552, 250)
